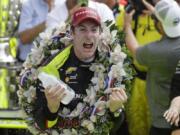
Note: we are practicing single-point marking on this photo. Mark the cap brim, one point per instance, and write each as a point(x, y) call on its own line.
point(86, 18)
point(172, 31)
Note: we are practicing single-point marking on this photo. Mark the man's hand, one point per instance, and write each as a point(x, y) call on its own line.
point(117, 98)
point(172, 115)
point(150, 8)
point(128, 19)
point(54, 95)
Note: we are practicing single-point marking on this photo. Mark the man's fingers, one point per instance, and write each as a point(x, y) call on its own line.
point(177, 121)
point(165, 114)
point(172, 116)
point(148, 6)
point(132, 12)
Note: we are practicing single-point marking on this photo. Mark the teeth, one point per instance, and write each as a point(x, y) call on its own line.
point(85, 45)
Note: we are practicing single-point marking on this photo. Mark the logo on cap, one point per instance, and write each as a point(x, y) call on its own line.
point(85, 13)
point(176, 21)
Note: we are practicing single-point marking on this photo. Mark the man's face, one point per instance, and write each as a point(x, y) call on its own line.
point(85, 39)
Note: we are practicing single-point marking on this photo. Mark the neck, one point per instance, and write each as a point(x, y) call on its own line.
point(88, 59)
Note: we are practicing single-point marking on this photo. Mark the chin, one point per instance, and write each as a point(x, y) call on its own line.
point(87, 57)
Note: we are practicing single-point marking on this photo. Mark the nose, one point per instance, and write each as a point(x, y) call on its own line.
point(88, 34)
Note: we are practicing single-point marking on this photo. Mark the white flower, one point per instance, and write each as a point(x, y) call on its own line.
point(54, 132)
point(98, 82)
point(117, 49)
point(93, 118)
point(45, 36)
point(20, 94)
point(107, 38)
point(113, 36)
point(74, 132)
point(116, 71)
point(27, 64)
point(30, 94)
point(94, 81)
point(97, 68)
point(34, 73)
point(100, 108)
point(76, 112)
point(89, 125)
point(106, 35)
point(117, 56)
point(54, 51)
point(61, 28)
point(65, 111)
point(66, 40)
point(36, 55)
point(66, 132)
point(91, 96)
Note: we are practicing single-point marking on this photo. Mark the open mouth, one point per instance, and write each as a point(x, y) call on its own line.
point(88, 45)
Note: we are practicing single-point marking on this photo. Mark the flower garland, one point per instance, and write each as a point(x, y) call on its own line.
point(112, 67)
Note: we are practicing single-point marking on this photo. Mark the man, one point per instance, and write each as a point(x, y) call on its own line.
point(160, 58)
point(86, 29)
point(32, 22)
point(62, 11)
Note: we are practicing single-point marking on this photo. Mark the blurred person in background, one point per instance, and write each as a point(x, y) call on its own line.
point(160, 57)
point(63, 11)
point(32, 22)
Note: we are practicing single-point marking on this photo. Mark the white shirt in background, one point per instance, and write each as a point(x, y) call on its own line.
point(60, 13)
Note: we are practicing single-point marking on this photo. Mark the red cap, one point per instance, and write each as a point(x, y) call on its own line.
point(84, 13)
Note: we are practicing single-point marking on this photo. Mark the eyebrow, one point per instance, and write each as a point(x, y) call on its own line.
point(94, 25)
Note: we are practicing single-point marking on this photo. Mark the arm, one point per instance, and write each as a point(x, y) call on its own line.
point(47, 106)
point(130, 38)
point(27, 32)
point(28, 35)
